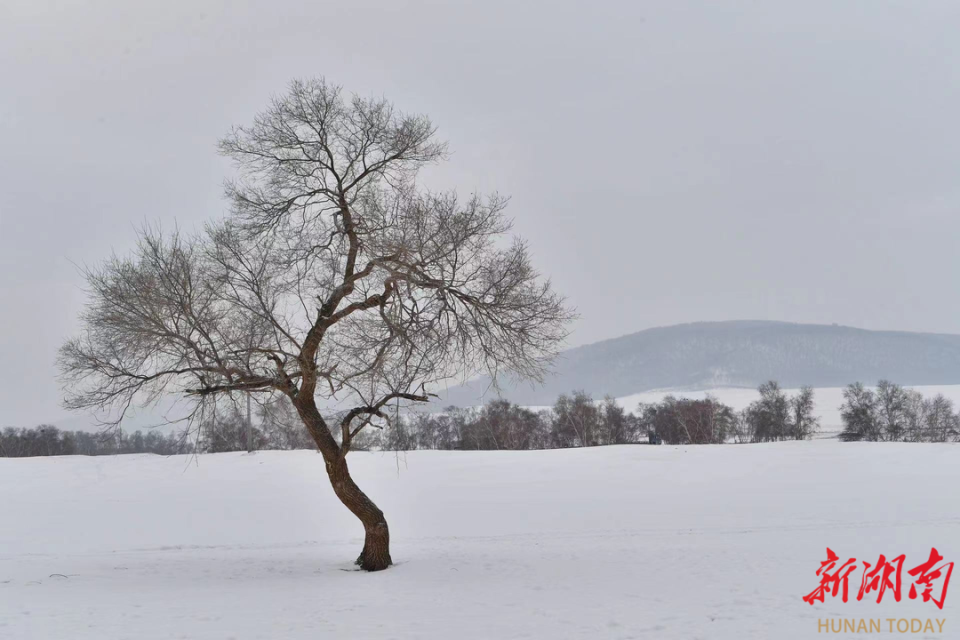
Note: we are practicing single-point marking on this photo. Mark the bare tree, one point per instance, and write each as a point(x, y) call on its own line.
point(335, 276)
point(616, 425)
point(859, 414)
point(916, 411)
point(942, 422)
point(892, 410)
point(769, 417)
point(740, 427)
point(803, 421)
point(576, 421)
point(688, 421)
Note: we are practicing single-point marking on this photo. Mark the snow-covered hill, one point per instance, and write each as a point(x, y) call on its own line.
point(716, 542)
point(707, 355)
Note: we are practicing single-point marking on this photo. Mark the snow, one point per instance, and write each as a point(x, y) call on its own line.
point(716, 542)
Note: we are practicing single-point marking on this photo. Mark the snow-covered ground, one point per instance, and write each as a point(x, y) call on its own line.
point(614, 542)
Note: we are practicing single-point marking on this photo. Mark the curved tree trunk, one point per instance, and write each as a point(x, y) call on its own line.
point(375, 555)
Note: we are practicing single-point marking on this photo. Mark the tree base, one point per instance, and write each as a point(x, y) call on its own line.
point(372, 562)
point(376, 549)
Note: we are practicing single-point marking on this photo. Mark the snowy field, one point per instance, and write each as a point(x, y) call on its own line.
point(716, 542)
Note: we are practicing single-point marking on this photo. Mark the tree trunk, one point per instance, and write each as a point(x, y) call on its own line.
point(375, 555)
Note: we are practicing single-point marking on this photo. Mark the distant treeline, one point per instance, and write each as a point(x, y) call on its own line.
point(889, 413)
point(894, 414)
point(576, 420)
point(47, 440)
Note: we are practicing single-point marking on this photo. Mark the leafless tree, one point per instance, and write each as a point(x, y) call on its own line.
point(803, 422)
point(942, 423)
point(616, 425)
point(892, 408)
point(769, 417)
point(859, 414)
point(334, 276)
point(740, 427)
point(916, 411)
point(688, 421)
point(576, 421)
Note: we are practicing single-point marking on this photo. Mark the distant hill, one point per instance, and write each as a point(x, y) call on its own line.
point(707, 355)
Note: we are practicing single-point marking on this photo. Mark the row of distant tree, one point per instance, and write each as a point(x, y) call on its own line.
point(893, 414)
point(576, 420)
point(888, 413)
point(48, 440)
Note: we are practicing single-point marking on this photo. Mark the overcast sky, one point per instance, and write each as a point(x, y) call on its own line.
point(668, 161)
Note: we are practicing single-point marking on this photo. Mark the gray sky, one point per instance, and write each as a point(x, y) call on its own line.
point(669, 161)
